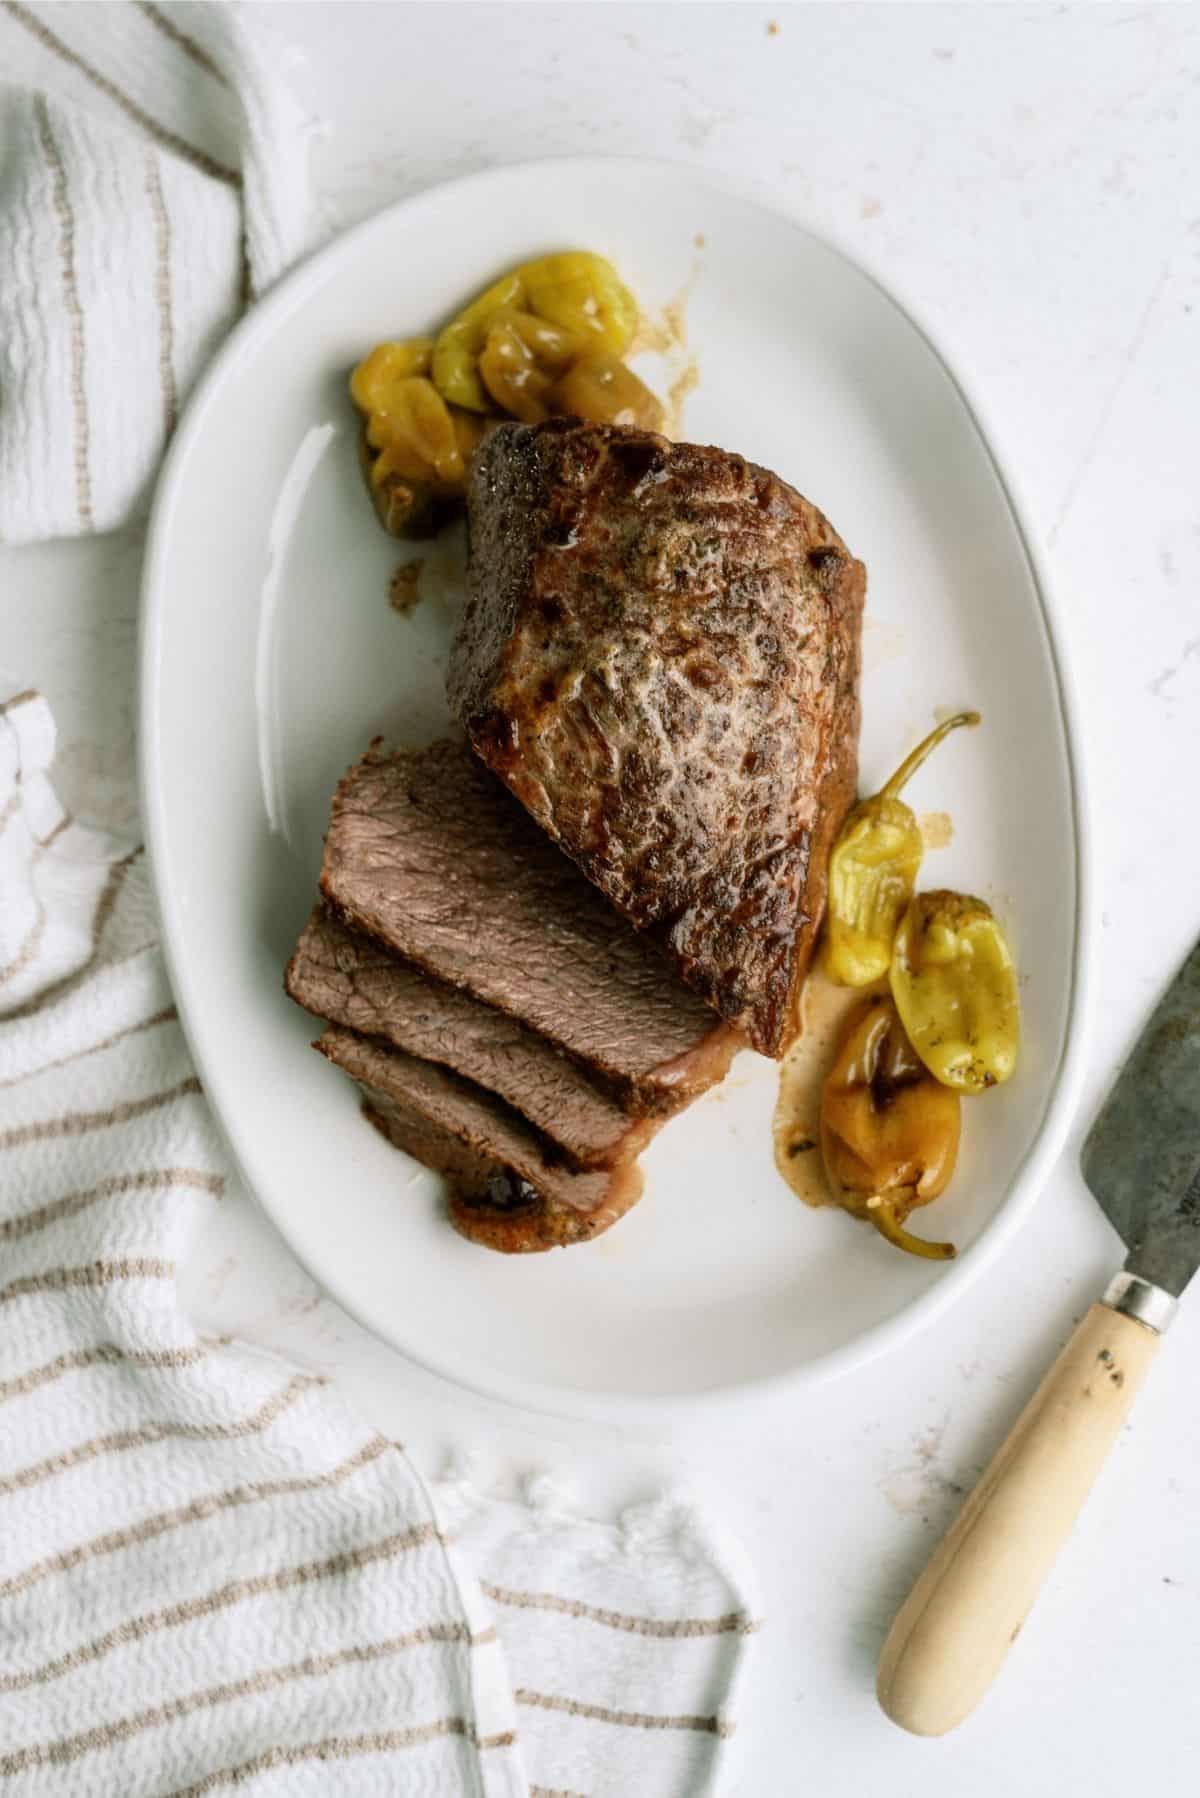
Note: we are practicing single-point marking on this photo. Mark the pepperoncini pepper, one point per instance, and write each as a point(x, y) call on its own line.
point(889, 1131)
point(456, 352)
point(417, 434)
point(955, 987)
point(521, 358)
point(404, 506)
point(414, 447)
point(582, 293)
point(873, 870)
point(600, 388)
point(577, 291)
point(374, 382)
point(545, 339)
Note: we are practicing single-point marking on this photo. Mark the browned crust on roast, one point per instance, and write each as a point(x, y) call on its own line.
point(660, 657)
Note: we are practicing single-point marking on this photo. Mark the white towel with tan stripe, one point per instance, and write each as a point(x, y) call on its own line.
point(212, 1575)
point(152, 175)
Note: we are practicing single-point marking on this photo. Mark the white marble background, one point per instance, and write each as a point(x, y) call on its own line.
point(1030, 176)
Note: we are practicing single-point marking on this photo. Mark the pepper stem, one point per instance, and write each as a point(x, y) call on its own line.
point(925, 748)
point(883, 1215)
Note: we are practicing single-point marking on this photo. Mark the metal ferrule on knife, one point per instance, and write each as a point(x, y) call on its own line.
point(1141, 1299)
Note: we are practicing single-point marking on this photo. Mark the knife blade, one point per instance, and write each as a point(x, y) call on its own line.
point(1142, 1155)
point(1142, 1162)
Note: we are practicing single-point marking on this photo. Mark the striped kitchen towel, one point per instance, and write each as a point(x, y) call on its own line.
point(154, 176)
point(212, 1574)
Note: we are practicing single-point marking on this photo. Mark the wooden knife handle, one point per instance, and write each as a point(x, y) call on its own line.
point(951, 1635)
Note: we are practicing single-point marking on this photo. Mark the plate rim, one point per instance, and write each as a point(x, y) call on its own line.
point(1065, 1086)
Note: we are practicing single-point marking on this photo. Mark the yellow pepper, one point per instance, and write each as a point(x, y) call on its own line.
point(889, 1132)
point(955, 988)
point(412, 448)
point(470, 429)
point(601, 389)
point(521, 359)
point(417, 434)
point(873, 870)
point(576, 290)
point(374, 381)
point(542, 340)
point(404, 506)
point(456, 352)
point(584, 294)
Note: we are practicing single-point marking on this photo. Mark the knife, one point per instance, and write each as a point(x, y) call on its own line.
point(1142, 1162)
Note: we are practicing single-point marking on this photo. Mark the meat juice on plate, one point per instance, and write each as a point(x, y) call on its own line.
point(796, 1128)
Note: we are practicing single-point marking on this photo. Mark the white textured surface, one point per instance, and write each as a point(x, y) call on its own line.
point(1027, 176)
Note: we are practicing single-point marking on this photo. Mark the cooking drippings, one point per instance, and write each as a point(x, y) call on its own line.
point(824, 1009)
point(404, 590)
point(937, 829)
point(685, 382)
point(675, 317)
point(652, 336)
point(665, 333)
